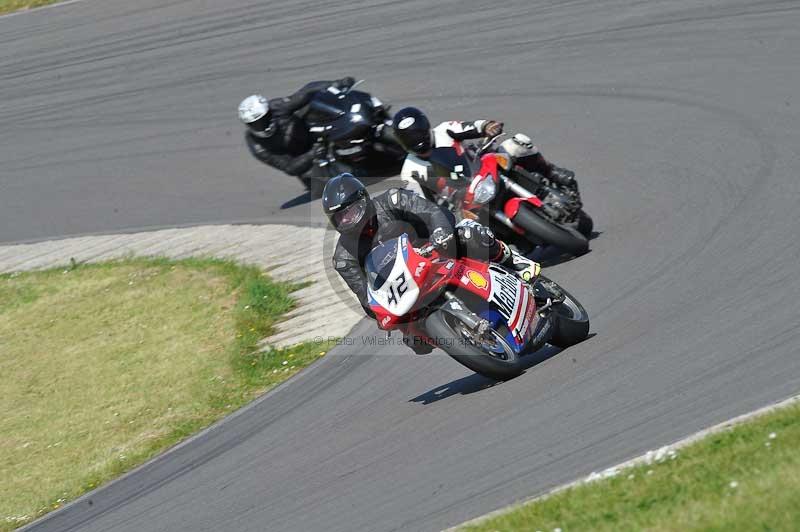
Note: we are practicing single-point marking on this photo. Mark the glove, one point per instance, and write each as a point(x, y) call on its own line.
point(492, 128)
point(441, 238)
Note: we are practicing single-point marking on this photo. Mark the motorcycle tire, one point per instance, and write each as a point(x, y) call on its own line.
point(538, 229)
point(438, 325)
point(571, 319)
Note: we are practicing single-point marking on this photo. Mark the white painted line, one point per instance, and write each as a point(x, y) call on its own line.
point(651, 456)
point(41, 8)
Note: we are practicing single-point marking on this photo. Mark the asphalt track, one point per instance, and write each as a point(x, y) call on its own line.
point(681, 117)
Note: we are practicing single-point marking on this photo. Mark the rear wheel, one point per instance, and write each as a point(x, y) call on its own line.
point(537, 228)
point(571, 319)
point(488, 354)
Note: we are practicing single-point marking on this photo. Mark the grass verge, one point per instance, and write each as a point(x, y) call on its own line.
point(8, 6)
point(743, 479)
point(104, 366)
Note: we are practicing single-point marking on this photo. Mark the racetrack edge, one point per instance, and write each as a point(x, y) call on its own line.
point(637, 460)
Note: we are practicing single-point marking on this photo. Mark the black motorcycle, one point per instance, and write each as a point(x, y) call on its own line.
point(355, 129)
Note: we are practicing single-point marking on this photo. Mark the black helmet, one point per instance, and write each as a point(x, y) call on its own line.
point(254, 112)
point(346, 203)
point(413, 130)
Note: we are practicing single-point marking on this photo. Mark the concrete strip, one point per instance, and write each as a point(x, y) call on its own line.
point(320, 311)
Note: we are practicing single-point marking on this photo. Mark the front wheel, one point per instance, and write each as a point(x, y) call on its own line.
point(571, 319)
point(537, 228)
point(488, 355)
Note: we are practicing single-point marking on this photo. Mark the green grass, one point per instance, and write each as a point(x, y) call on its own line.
point(741, 479)
point(104, 366)
point(7, 6)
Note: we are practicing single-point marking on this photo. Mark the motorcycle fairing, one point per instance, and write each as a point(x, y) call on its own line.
point(343, 115)
point(397, 276)
point(394, 290)
point(487, 170)
point(511, 207)
point(510, 301)
point(514, 300)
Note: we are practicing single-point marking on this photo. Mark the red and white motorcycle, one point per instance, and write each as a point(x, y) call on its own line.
point(486, 184)
point(481, 314)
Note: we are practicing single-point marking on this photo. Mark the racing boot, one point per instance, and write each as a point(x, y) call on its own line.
point(525, 268)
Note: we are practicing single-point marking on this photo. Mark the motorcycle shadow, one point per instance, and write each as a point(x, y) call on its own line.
point(475, 383)
point(302, 199)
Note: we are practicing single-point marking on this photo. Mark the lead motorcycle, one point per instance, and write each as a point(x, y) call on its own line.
point(481, 314)
point(523, 208)
point(354, 127)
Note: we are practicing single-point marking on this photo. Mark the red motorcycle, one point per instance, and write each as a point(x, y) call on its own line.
point(516, 204)
point(481, 314)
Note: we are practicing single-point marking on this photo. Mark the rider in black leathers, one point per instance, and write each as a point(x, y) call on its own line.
point(277, 136)
point(362, 221)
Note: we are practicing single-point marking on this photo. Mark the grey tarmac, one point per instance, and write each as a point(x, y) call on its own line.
point(680, 118)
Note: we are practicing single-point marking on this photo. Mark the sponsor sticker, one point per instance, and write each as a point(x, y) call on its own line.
point(477, 279)
point(504, 294)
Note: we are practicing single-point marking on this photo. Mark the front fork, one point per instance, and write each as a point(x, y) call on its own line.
point(519, 191)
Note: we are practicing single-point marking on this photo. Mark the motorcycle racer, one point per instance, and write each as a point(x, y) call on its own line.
point(362, 221)
point(413, 131)
point(277, 136)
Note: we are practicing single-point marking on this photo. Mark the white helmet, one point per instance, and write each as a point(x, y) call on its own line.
point(254, 112)
point(519, 146)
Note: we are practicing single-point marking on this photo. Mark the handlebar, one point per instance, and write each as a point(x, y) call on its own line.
point(489, 142)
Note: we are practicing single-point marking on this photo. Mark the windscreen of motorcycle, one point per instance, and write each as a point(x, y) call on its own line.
point(390, 284)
